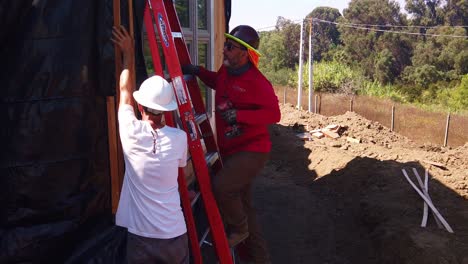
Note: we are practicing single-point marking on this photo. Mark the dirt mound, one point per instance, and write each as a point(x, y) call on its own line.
point(332, 201)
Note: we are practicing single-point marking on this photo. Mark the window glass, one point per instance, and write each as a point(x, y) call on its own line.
point(203, 61)
point(197, 38)
point(147, 55)
point(149, 58)
point(202, 18)
point(182, 9)
point(203, 54)
point(188, 43)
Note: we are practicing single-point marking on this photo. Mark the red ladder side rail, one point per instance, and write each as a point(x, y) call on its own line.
point(158, 70)
point(188, 122)
point(190, 221)
point(183, 190)
point(193, 87)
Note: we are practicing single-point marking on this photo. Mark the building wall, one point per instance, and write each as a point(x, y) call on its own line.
point(219, 23)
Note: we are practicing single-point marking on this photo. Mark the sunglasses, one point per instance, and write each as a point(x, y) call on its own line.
point(229, 46)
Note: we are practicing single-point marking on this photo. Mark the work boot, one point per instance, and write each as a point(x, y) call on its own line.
point(235, 238)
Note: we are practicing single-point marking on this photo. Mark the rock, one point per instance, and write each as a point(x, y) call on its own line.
point(353, 140)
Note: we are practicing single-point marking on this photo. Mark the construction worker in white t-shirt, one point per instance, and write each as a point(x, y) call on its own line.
point(149, 205)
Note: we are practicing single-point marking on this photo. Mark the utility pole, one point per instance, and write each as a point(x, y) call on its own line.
point(299, 85)
point(311, 59)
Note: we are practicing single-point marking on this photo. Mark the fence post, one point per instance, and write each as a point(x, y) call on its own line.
point(447, 130)
point(392, 126)
point(320, 103)
point(315, 104)
point(284, 95)
point(351, 104)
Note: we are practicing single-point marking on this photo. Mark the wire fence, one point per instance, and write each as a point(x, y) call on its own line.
point(421, 126)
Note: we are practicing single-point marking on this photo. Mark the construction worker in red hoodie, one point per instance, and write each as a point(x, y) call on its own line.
point(246, 105)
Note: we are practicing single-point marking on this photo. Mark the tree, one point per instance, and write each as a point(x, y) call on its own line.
point(290, 33)
point(366, 47)
point(456, 13)
point(272, 50)
point(422, 75)
point(384, 67)
point(326, 35)
point(273, 61)
point(424, 12)
point(448, 56)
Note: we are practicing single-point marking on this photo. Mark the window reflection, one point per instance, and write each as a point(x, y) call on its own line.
point(147, 55)
point(182, 9)
point(202, 18)
point(193, 18)
point(203, 61)
point(203, 54)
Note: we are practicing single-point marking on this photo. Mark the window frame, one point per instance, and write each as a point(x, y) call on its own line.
point(194, 35)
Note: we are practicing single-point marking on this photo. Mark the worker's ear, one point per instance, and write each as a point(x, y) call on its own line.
point(246, 54)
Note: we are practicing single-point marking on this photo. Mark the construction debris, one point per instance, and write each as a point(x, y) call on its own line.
point(332, 131)
point(305, 136)
point(318, 134)
point(330, 134)
point(353, 140)
point(424, 193)
point(437, 164)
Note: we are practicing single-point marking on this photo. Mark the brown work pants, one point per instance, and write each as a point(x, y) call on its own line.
point(145, 250)
point(232, 189)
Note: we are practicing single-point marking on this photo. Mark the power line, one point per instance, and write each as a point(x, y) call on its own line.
point(368, 27)
point(389, 25)
point(271, 27)
point(363, 27)
point(264, 28)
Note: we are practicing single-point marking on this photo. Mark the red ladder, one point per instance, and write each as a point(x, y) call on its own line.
point(161, 16)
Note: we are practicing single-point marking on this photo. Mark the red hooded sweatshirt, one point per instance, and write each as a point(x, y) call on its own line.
point(252, 95)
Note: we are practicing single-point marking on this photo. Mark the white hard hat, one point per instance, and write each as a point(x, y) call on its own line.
point(156, 93)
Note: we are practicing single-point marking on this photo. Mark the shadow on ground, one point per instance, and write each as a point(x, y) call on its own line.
point(364, 212)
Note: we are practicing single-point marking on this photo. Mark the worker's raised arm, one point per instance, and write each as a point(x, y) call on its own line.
point(124, 41)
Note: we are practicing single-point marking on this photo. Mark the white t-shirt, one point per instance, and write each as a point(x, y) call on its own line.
point(149, 203)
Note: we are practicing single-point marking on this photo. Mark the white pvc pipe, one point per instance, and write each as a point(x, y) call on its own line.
point(311, 58)
point(425, 189)
point(429, 203)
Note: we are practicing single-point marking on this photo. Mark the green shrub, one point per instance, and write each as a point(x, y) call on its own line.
point(280, 77)
point(421, 88)
point(383, 91)
point(455, 98)
point(460, 96)
point(329, 76)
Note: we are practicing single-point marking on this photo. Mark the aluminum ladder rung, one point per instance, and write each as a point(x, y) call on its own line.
point(211, 158)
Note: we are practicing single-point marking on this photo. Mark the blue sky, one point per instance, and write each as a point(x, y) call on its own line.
point(262, 14)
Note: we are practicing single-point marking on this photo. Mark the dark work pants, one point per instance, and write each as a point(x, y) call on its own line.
point(232, 189)
point(157, 251)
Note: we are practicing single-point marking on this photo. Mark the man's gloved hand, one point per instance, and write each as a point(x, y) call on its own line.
point(190, 69)
point(230, 116)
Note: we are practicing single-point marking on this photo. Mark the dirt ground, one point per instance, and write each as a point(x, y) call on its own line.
point(332, 201)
